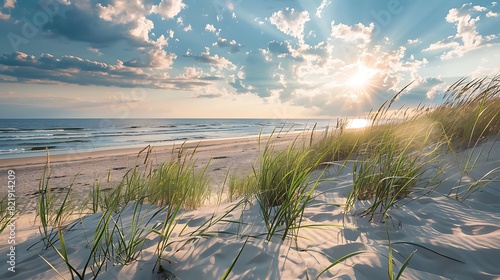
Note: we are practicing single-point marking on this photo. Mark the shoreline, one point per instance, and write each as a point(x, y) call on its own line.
point(81, 170)
point(74, 136)
point(106, 152)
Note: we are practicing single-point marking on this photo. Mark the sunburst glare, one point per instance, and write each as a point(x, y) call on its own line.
point(358, 123)
point(361, 77)
point(361, 83)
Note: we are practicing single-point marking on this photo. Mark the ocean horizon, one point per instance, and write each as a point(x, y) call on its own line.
point(32, 137)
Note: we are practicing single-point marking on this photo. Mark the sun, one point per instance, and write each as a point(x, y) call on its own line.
point(360, 82)
point(361, 78)
point(358, 123)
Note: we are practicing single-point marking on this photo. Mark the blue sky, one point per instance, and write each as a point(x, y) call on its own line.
point(237, 58)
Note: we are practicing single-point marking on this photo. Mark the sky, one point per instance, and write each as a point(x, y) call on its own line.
point(237, 58)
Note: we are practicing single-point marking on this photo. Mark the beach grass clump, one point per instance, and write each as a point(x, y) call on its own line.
point(131, 187)
point(281, 183)
point(117, 239)
point(283, 186)
point(54, 209)
point(339, 144)
point(277, 171)
point(385, 176)
point(391, 156)
point(470, 111)
point(127, 236)
point(99, 246)
point(241, 187)
point(145, 192)
point(174, 182)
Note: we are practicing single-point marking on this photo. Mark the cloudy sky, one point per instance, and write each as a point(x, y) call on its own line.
point(237, 58)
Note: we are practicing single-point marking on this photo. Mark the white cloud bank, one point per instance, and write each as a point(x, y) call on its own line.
point(467, 37)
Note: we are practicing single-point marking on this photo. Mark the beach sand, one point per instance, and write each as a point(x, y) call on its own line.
point(451, 239)
point(81, 170)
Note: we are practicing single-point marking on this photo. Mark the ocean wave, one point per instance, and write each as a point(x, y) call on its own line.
point(38, 130)
point(55, 142)
point(10, 151)
point(8, 129)
point(41, 148)
point(167, 126)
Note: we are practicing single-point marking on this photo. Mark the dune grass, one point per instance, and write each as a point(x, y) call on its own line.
point(146, 192)
point(281, 184)
point(390, 165)
point(469, 114)
point(470, 111)
point(54, 209)
point(390, 160)
point(283, 188)
point(393, 155)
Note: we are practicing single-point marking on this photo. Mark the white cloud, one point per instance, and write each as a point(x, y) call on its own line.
point(64, 2)
point(467, 37)
point(445, 44)
point(9, 4)
point(210, 28)
point(168, 9)
point(180, 21)
point(133, 14)
point(225, 43)
point(432, 86)
point(130, 13)
point(123, 11)
point(321, 7)
point(4, 16)
point(215, 60)
point(191, 73)
point(94, 50)
point(158, 57)
point(144, 26)
point(492, 14)
point(188, 28)
point(413, 41)
point(358, 33)
point(290, 22)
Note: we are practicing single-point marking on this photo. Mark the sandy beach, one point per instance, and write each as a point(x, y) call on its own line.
point(447, 239)
point(109, 167)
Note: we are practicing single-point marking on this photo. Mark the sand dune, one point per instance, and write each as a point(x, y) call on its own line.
point(452, 239)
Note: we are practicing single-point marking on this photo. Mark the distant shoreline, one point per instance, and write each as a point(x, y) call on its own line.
point(30, 138)
point(63, 156)
point(81, 170)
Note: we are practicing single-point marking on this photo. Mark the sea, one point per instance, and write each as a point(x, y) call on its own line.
point(32, 137)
